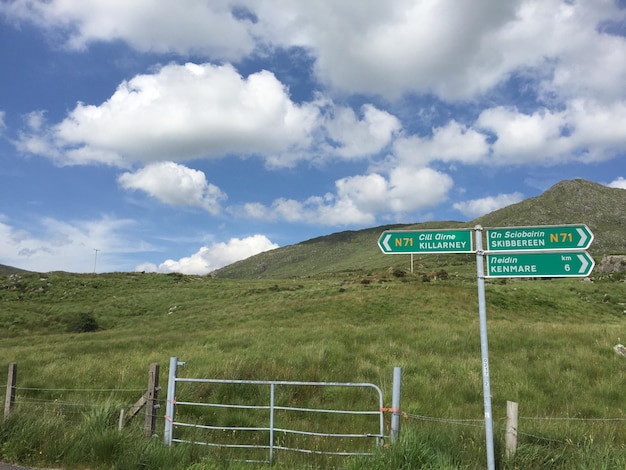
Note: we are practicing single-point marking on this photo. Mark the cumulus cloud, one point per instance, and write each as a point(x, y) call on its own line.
point(583, 131)
point(210, 28)
point(213, 257)
point(619, 182)
point(179, 113)
point(190, 111)
point(56, 245)
point(175, 184)
point(183, 112)
point(361, 199)
point(523, 138)
point(357, 137)
point(477, 207)
point(455, 51)
point(452, 143)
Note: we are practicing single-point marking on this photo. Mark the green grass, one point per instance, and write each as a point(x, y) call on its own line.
point(550, 345)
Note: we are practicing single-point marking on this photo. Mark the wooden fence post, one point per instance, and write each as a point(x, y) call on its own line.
point(510, 436)
point(151, 400)
point(9, 400)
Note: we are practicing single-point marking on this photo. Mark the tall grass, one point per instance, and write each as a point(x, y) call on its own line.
point(550, 345)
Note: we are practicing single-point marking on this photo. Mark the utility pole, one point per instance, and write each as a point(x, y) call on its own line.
point(95, 260)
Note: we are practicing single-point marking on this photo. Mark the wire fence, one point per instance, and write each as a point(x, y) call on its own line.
point(75, 400)
point(76, 397)
point(479, 423)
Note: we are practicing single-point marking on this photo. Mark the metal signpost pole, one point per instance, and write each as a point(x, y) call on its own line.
point(482, 313)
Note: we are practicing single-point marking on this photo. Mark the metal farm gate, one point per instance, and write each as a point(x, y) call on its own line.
point(264, 427)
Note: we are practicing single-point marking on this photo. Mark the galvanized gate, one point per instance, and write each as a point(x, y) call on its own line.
point(269, 429)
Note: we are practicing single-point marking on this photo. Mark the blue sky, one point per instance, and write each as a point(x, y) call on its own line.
point(178, 136)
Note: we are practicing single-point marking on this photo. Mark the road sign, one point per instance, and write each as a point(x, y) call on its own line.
point(426, 241)
point(540, 238)
point(561, 264)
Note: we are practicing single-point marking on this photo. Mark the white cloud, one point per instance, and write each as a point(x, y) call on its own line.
point(587, 62)
point(210, 28)
point(450, 143)
point(183, 112)
point(176, 185)
point(359, 137)
point(208, 259)
point(619, 182)
point(392, 47)
point(69, 246)
point(189, 111)
point(2, 124)
point(454, 50)
point(360, 199)
point(523, 138)
point(179, 113)
point(477, 207)
point(584, 131)
point(597, 129)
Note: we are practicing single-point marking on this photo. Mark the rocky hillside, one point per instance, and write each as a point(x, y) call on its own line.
point(602, 209)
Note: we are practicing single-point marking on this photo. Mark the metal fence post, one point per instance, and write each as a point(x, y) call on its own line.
point(170, 409)
point(272, 396)
point(395, 403)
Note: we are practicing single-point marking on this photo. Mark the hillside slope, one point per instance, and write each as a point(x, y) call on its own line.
point(568, 202)
point(572, 202)
point(4, 270)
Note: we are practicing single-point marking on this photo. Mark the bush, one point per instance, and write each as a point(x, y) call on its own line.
point(84, 323)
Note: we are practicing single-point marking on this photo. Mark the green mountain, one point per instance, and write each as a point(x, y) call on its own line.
point(568, 202)
point(578, 201)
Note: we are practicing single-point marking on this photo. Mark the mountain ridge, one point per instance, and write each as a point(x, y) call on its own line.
point(576, 201)
point(568, 202)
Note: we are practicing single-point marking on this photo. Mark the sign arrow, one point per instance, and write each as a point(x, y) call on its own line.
point(583, 264)
point(386, 242)
point(583, 237)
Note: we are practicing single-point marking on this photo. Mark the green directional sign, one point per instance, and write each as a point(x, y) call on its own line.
point(426, 241)
point(561, 264)
point(539, 238)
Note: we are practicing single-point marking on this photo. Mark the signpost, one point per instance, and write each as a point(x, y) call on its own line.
point(538, 264)
point(426, 241)
point(541, 238)
point(542, 251)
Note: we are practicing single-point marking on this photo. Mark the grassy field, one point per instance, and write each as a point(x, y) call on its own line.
point(550, 343)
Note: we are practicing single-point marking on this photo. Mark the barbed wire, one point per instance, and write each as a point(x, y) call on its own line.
point(94, 390)
point(479, 423)
point(540, 418)
point(462, 422)
point(541, 438)
point(41, 401)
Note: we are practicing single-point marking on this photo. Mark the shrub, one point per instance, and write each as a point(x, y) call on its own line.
point(83, 323)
